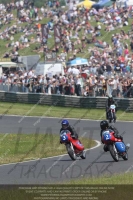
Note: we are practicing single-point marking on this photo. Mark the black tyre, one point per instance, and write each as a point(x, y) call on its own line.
point(114, 117)
point(113, 153)
point(71, 152)
point(109, 117)
point(125, 156)
point(83, 155)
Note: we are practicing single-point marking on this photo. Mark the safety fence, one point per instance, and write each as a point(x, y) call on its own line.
point(54, 90)
point(64, 100)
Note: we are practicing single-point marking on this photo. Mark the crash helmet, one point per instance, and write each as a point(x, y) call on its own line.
point(110, 98)
point(104, 124)
point(65, 124)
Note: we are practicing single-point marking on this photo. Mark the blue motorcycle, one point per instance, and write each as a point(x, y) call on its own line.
point(116, 147)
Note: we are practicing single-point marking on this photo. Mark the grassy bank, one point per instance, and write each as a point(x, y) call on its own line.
point(22, 147)
point(116, 179)
point(105, 36)
point(61, 112)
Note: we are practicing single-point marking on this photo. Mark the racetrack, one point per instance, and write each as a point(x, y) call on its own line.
point(62, 168)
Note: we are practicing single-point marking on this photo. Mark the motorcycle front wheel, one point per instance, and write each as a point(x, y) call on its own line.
point(71, 152)
point(114, 117)
point(83, 155)
point(125, 156)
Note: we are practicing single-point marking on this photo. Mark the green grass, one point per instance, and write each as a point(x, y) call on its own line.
point(116, 179)
point(118, 186)
point(105, 36)
point(22, 147)
point(61, 112)
point(52, 191)
point(25, 51)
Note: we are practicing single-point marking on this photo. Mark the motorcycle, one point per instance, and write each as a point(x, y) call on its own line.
point(116, 147)
point(73, 146)
point(111, 114)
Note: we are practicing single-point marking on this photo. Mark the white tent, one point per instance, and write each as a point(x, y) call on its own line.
point(8, 64)
point(129, 2)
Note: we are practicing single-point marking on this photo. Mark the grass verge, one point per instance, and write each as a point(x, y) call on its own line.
point(22, 147)
point(88, 191)
point(116, 179)
point(61, 112)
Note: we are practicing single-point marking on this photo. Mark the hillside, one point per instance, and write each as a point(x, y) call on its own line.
point(36, 2)
point(33, 44)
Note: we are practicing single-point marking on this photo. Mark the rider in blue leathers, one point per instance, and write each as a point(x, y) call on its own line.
point(66, 126)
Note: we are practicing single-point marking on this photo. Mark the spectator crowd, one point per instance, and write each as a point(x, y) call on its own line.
point(110, 61)
point(77, 81)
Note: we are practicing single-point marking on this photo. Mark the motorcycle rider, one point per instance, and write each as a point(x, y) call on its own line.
point(109, 102)
point(66, 126)
point(104, 125)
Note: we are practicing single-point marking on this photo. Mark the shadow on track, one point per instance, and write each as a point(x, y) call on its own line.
point(110, 161)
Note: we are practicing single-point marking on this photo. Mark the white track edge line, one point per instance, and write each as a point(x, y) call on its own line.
point(98, 144)
point(45, 117)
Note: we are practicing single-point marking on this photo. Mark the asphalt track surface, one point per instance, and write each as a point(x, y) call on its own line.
point(61, 168)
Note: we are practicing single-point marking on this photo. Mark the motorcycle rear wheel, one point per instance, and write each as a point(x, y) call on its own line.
point(113, 153)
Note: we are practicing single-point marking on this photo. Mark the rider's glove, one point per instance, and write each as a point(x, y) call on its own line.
point(73, 136)
point(119, 137)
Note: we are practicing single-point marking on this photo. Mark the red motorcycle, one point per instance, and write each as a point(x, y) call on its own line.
point(73, 146)
point(116, 146)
